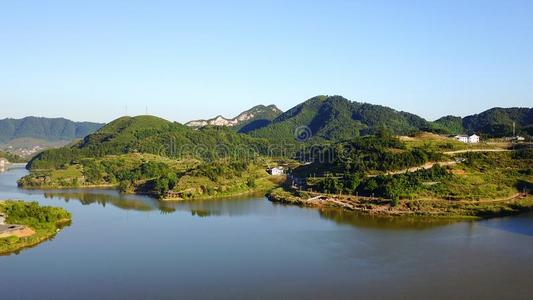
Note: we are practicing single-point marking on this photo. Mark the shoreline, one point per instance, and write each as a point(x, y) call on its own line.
point(114, 187)
point(214, 197)
point(433, 208)
point(34, 229)
point(63, 187)
point(33, 243)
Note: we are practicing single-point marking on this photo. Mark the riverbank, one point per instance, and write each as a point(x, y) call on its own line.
point(439, 208)
point(34, 224)
point(261, 186)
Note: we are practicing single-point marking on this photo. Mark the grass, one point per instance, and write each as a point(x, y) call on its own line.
point(487, 184)
point(441, 143)
point(253, 180)
point(70, 172)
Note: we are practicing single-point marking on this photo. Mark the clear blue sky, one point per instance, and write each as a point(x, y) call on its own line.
point(87, 60)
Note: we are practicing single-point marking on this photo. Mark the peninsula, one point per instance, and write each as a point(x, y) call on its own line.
point(326, 152)
point(26, 224)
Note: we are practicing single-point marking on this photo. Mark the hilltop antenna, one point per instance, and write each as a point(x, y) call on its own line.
point(126, 109)
point(146, 111)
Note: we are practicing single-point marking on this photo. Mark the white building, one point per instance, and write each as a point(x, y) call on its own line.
point(276, 171)
point(462, 138)
point(472, 139)
point(3, 163)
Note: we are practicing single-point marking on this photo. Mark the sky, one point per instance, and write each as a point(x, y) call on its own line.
point(98, 60)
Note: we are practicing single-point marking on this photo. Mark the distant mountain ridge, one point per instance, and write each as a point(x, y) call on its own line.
point(49, 129)
point(495, 122)
point(254, 118)
point(337, 118)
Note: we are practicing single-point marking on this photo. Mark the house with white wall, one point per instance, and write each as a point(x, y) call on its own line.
point(461, 138)
point(471, 139)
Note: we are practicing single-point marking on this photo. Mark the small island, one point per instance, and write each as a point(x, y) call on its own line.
point(26, 224)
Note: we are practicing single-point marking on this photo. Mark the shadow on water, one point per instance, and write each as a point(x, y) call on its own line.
point(344, 217)
point(520, 224)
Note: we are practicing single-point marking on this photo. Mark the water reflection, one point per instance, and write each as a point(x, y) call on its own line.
point(233, 207)
point(382, 222)
point(103, 199)
point(199, 208)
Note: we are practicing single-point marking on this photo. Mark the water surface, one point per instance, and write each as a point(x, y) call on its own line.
point(133, 247)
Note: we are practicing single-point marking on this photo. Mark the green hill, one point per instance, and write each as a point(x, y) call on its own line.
point(149, 134)
point(448, 125)
point(49, 129)
point(336, 118)
point(499, 121)
point(495, 122)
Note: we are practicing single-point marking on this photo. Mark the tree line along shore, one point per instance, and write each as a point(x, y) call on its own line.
point(170, 161)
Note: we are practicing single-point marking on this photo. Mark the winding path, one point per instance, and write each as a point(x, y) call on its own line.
point(476, 150)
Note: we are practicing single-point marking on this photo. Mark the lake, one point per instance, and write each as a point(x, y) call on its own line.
point(135, 247)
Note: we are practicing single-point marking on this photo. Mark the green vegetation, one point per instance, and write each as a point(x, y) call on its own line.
point(495, 122)
point(44, 220)
point(335, 118)
point(433, 208)
point(44, 128)
point(148, 134)
point(370, 154)
point(156, 175)
point(153, 156)
point(223, 178)
point(345, 147)
point(482, 176)
point(448, 125)
point(11, 157)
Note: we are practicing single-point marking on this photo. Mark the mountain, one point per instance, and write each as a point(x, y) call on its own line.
point(153, 135)
point(337, 118)
point(257, 117)
point(48, 129)
point(495, 122)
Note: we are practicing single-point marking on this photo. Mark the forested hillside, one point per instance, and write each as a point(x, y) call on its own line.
point(336, 118)
point(495, 122)
point(149, 134)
